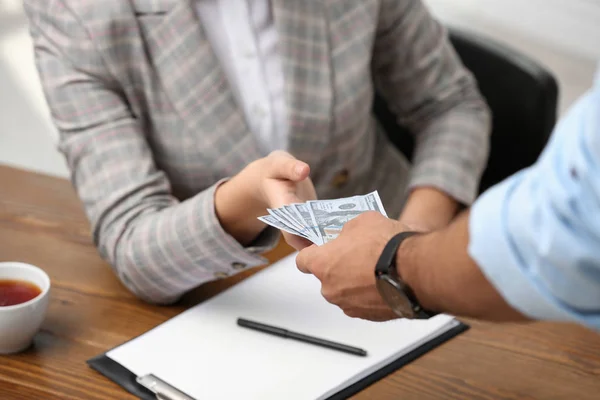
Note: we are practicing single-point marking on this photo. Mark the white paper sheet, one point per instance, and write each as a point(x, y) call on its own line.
point(204, 353)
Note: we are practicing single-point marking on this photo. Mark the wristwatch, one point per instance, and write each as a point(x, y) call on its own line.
point(396, 293)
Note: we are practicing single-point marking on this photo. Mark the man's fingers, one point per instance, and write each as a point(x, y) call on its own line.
point(366, 219)
point(305, 259)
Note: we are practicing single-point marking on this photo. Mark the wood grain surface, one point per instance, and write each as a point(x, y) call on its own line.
point(42, 222)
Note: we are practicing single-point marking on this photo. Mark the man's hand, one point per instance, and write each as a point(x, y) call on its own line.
point(346, 266)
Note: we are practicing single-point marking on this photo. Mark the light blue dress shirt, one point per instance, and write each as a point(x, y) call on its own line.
point(536, 236)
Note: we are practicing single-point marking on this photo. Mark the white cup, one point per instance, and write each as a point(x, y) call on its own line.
point(19, 323)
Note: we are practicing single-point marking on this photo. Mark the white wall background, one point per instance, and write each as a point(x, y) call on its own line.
point(26, 133)
point(563, 34)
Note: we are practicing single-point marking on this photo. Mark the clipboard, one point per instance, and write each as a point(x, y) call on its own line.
point(131, 383)
point(183, 358)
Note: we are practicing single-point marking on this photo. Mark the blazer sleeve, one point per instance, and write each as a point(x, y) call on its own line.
point(423, 81)
point(159, 247)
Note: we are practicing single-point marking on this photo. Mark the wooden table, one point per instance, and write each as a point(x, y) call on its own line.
point(42, 222)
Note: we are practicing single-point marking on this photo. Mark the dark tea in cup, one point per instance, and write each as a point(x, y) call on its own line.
point(13, 292)
point(24, 298)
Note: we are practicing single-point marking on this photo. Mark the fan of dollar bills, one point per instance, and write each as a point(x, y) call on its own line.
point(321, 221)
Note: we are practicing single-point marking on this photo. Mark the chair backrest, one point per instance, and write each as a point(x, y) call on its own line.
point(522, 96)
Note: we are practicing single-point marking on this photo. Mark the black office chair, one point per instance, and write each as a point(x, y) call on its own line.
point(522, 96)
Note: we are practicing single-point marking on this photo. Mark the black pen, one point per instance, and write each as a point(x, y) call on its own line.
point(299, 336)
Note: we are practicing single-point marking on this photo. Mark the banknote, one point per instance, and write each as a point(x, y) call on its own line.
point(303, 214)
point(330, 216)
point(273, 221)
point(286, 219)
point(293, 214)
point(321, 221)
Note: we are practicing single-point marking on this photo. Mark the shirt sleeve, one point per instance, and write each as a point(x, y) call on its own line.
point(536, 236)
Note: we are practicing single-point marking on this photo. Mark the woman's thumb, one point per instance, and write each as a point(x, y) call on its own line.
point(288, 167)
point(301, 171)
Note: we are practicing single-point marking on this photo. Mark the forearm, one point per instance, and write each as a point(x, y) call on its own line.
point(445, 279)
point(164, 253)
point(428, 208)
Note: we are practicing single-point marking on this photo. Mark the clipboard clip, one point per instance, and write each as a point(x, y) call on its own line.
point(161, 389)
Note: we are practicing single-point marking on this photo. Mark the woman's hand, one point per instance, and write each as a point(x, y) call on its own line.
point(270, 182)
point(284, 180)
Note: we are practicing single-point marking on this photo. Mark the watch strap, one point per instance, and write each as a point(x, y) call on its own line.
point(386, 265)
point(387, 259)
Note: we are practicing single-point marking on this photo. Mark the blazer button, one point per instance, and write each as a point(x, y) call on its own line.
point(238, 266)
point(221, 275)
point(340, 179)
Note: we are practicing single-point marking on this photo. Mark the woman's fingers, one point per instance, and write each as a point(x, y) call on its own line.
point(296, 242)
point(283, 165)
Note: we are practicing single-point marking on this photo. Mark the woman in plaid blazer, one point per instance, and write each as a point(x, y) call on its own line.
point(173, 173)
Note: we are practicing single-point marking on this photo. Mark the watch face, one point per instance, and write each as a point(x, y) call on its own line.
point(393, 294)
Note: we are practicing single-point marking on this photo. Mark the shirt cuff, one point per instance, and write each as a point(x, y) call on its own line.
point(493, 249)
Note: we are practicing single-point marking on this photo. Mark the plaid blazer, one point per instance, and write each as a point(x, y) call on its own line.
point(149, 126)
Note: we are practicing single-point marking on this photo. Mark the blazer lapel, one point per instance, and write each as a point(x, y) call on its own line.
point(304, 49)
point(191, 75)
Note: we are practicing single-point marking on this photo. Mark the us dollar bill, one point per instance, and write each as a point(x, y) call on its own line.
point(302, 213)
point(285, 218)
point(274, 222)
point(330, 216)
point(321, 221)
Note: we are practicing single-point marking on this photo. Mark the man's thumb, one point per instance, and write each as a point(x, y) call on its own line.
point(305, 257)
